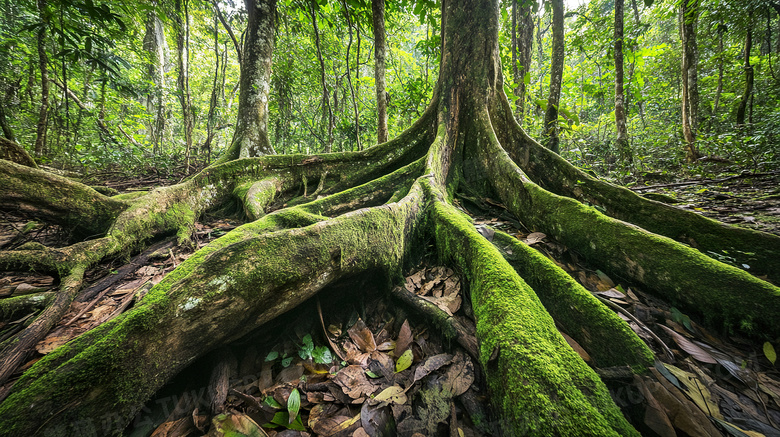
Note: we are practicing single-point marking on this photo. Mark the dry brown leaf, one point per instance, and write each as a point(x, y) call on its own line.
point(683, 413)
point(404, 339)
point(688, 346)
point(533, 238)
point(329, 426)
point(362, 336)
point(353, 382)
point(431, 365)
point(460, 375)
point(655, 416)
point(181, 427)
point(697, 391)
point(576, 346)
point(611, 293)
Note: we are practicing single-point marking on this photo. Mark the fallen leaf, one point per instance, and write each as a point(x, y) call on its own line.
point(655, 416)
point(576, 346)
point(362, 336)
point(431, 365)
point(404, 339)
point(404, 361)
point(236, 424)
point(460, 375)
point(377, 421)
point(353, 382)
point(769, 352)
point(394, 394)
point(697, 391)
point(533, 238)
point(691, 348)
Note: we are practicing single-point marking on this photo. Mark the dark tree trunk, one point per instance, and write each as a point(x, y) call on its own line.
point(250, 137)
point(556, 78)
point(620, 108)
point(328, 117)
point(183, 80)
point(719, 90)
point(349, 77)
point(43, 61)
point(689, 13)
point(743, 102)
point(523, 41)
point(378, 18)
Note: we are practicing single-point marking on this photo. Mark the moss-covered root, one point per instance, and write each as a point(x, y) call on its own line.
point(759, 251)
point(15, 352)
point(607, 338)
point(255, 196)
point(722, 294)
point(13, 308)
point(538, 383)
point(55, 199)
point(224, 290)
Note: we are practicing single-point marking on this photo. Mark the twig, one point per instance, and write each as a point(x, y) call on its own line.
point(325, 331)
point(626, 313)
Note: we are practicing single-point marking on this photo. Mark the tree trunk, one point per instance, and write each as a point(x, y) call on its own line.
point(620, 108)
point(183, 80)
point(719, 90)
point(154, 43)
point(374, 212)
point(748, 78)
point(328, 118)
point(556, 77)
point(349, 77)
point(521, 69)
point(250, 137)
point(378, 18)
point(43, 61)
point(689, 14)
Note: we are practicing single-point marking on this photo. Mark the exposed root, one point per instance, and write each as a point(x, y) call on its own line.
point(15, 352)
point(723, 294)
point(759, 251)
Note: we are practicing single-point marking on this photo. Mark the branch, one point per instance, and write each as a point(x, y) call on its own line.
point(229, 31)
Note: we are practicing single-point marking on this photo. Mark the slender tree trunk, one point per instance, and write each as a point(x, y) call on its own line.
point(689, 11)
point(640, 103)
point(43, 60)
point(719, 91)
point(229, 30)
point(211, 121)
point(183, 80)
point(556, 78)
point(523, 41)
point(349, 78)
point(620, 108)
point(7, 131)
point(250, 137)
point(154, 43)
point(378, 18)
point(743, 103)
point(327, 110)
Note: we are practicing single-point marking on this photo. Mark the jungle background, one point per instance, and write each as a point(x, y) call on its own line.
point(115, 88)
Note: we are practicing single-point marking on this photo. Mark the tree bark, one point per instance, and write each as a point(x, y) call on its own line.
point(378, 18)
point(621, 142)
point(719, 90)
point(154, 43)
point(349, 77)
point(522, 16)
point(689, 14)
point(556, 78)
point(328, 118)
point(43, 61)
point(748, 78)
point(183, 80)
point(250, 137)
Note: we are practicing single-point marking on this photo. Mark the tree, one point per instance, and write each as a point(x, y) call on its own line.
point(556, 78)
point(743, 102)
point(620, 101)
point(43, 66)
point(250, 137)
point(374, 211)
point(378, 18)
point(154, 43)
point(689, 15)
point(183, 80)
point(522, 46)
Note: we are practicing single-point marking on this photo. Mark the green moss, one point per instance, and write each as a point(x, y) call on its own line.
point(607, 338)
point(538, 382)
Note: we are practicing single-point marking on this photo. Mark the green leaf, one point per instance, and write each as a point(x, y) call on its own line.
point(287, 361)
point(527, 78)
point(648, 3)
point(404, 361)
point(271, 402)
point(769, 352)
point(272, 356)
point(322, 355)
point(282, 418)
point(294, 404)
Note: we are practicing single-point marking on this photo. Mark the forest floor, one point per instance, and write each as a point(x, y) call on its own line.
point(355, 360)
